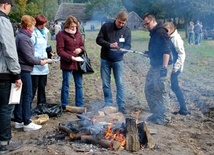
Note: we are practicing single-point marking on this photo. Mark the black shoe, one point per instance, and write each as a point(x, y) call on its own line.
point(122, 110)
point(3, 149)
point(13, 145)
point(63, 108)
point(182, 112)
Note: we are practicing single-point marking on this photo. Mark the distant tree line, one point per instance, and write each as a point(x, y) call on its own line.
point(181, 11)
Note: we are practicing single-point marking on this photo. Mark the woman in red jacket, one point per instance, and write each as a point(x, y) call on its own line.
point(69, 45)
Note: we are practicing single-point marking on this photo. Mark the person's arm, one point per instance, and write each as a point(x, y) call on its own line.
point(100, 40)
point(60, 45)
point(128, 40)
point(179, 46)
point(7, 42)
point(165, 59)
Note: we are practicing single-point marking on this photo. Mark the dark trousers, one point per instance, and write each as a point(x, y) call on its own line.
point(5, 111)
point(22, 112)
point(176, 89)
point(39, 82)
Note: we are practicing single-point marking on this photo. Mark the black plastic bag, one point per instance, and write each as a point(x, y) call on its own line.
point(85, 66)
point(52, 110)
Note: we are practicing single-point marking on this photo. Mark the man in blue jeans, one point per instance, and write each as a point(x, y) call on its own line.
point(114, 35)
point(9, 72)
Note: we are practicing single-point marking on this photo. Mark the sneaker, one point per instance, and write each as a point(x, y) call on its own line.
point(19, 125)
point(13, 145)
point(32, 126)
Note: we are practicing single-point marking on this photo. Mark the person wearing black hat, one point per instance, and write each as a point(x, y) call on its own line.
point(9, 73)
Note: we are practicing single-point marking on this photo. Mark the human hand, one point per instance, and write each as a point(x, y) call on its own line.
point(42, 62)
point(18, 84)
point(174, 70)
point(114, 45)
point(163, 71)
point(73, 58)
point(77, 51)
point(146, 54)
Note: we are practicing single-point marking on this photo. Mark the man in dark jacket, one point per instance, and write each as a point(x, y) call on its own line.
point(9, 72)
point(157, 85)
point(114, 36)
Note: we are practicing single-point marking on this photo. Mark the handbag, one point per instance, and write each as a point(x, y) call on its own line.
point(49, 51)
point(85, 66)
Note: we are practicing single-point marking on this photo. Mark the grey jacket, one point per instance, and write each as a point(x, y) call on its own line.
point(26, 51)
point(9, 65)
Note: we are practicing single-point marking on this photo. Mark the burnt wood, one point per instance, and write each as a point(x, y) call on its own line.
point(132, 137)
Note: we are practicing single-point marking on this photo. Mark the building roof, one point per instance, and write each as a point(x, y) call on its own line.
point(132, 13)
point(75, 9)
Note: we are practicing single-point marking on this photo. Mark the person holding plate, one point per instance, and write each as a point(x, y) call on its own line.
point(69, 45)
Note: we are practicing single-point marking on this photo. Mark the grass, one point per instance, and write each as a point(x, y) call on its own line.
point(199, 61)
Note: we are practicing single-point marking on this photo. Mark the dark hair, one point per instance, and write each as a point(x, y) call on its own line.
point(149, 16)
point(40, 19)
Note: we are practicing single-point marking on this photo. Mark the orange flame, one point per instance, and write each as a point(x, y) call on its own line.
point(118, 136)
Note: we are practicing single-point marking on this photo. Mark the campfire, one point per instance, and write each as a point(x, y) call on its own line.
point(107, 128)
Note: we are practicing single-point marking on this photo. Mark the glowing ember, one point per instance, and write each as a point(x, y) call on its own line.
point(118, 136)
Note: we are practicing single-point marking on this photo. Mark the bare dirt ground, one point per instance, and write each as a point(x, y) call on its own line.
point(186, 135)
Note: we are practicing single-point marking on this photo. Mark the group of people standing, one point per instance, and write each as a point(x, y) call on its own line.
point(195, 33)
point(23, 62)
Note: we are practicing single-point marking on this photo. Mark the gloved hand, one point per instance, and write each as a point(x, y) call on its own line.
point(146, 54)
point(163, 71)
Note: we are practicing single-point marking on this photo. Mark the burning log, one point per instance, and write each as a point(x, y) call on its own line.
point(93, 140)
point(64, 129)
point(113, 144)
point(74, 109)
point(132, 137)
point(146, 138)
point(74, 136)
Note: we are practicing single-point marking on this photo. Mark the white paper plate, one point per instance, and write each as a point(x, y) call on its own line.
point(51, 60)
point(78, 59)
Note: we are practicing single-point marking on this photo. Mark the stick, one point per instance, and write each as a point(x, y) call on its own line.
point(125, 51)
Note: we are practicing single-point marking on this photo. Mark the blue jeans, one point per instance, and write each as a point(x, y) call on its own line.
point(105, 69)
point(191, 38)
point(197, 38)
point(176, 89)
point(5, 111)
point(22, 112)
point(66, 75)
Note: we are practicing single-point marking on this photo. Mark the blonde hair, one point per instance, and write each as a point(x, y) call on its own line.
point(69, 21)
point(169, 25)
point(122, 15)
point(27, 21)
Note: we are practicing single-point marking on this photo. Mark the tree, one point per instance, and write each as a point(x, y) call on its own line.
point(33, 8)
point(100, 9)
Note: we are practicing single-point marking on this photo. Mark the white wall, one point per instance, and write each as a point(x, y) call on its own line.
point(88, 25)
